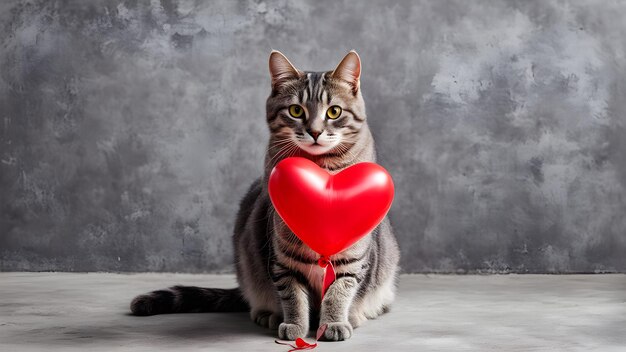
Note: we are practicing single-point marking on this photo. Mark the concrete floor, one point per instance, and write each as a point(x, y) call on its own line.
point(64, 312)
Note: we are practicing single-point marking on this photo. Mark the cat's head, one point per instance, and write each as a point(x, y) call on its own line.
point(315, 114)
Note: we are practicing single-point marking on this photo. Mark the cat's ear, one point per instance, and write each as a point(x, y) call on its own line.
point(349, 70)
point(281, 69)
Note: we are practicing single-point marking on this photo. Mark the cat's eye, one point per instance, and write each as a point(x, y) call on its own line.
point(333, 112)
point(296, 111)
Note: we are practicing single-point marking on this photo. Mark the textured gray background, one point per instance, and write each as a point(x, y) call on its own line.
point(129, 130)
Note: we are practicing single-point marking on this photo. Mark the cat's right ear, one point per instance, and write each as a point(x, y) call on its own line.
point(281, 69)
point(349, 70)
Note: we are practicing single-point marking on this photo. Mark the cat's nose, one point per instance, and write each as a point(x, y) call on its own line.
point(314, 134)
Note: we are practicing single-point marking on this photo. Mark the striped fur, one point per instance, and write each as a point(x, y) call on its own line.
point(279, 279)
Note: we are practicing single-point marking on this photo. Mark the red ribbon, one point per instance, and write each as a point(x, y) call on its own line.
point(300, 344)
point(329, 273)
point(329, 278)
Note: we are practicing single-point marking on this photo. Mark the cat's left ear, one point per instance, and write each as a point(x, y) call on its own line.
point(349, 70)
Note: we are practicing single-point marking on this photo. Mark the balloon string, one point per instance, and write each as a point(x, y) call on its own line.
point(327, 280)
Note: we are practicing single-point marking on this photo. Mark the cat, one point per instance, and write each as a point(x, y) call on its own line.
point(319, 116)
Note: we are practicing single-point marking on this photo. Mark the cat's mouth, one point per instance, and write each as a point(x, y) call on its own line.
point(315, 148)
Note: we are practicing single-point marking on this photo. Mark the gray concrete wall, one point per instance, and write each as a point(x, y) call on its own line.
point(129, 130)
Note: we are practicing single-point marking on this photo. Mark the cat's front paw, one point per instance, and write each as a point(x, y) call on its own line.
point(291, 332)
point(338, 331)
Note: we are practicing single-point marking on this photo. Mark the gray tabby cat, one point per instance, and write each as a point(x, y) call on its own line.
point(319, 116)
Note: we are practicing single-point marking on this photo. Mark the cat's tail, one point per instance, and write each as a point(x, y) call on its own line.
point(189, 299)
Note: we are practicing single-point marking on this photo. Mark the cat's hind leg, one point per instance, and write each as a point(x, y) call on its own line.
point(264, 310)
point(375, 302)
point(257, 288)
point(267, 319)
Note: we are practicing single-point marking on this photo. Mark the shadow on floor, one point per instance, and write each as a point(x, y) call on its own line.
point(209, 327)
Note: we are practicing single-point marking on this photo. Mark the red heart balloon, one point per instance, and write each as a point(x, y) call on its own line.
point(330, 212)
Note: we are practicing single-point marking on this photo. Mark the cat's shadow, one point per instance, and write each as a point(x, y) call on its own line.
point(173, 328)
point(202, 325)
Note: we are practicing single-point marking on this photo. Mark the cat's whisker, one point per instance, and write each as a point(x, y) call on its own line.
point(282, 151)
point(344, 149)
point(292, 151)
point(281, 140)
point(281, 143)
